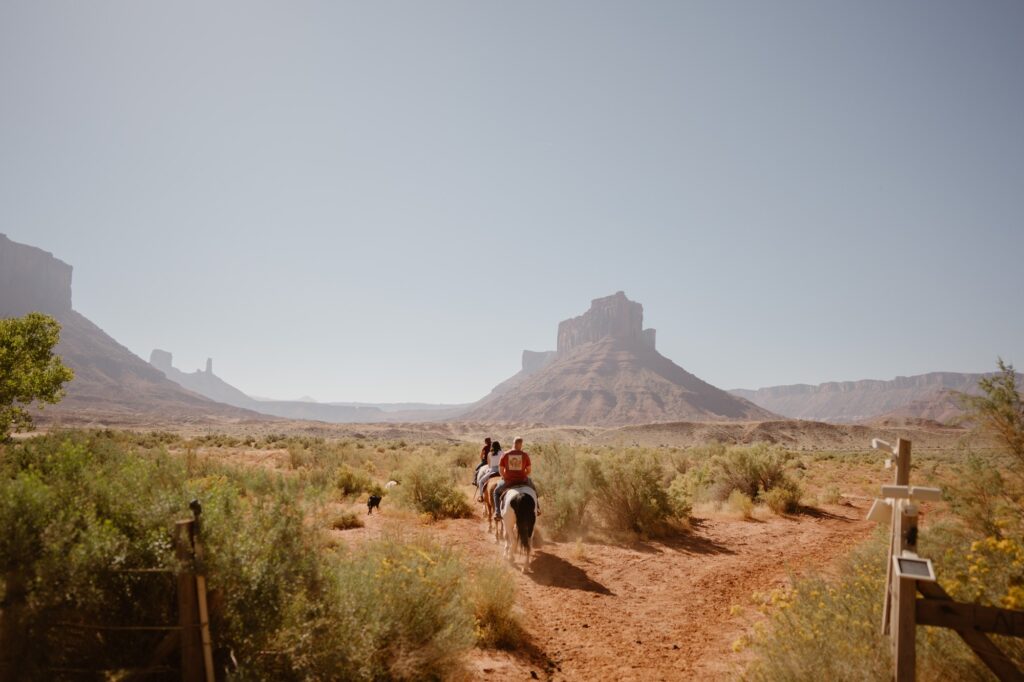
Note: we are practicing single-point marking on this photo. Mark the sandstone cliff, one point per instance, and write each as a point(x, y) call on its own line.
point(607, 371)
point(110, 381)
point(32, 280)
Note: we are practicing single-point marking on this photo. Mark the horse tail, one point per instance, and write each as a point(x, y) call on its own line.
point(526, 516)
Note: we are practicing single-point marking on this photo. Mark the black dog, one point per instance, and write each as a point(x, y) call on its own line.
point(373, 503)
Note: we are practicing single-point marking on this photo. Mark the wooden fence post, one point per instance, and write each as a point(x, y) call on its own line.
point(901, 477)
point(904, 597)
point(12, 630)
point(188, 616)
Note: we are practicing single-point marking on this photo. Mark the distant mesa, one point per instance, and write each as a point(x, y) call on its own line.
point(206, 383)
point(607, 371)
point(929, 396)
point(110, 381)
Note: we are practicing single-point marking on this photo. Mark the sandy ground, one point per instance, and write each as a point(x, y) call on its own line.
point(649, 610)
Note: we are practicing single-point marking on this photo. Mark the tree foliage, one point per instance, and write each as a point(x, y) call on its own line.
point(29, 371)
point(1000, 410)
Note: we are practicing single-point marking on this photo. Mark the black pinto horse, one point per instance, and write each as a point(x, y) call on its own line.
point(524, 510)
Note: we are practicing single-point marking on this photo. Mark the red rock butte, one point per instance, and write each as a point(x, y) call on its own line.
point(607, 371)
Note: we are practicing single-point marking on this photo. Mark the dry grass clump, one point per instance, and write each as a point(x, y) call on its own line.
point(346, 521)
point(739, 504)
point(494, 597)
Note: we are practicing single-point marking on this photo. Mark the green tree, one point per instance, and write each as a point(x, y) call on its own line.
point(999, 411)
point(29, 371)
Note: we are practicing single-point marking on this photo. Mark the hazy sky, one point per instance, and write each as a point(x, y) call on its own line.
point(388, 201)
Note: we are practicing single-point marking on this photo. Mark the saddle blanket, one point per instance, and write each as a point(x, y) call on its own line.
point(521, 489)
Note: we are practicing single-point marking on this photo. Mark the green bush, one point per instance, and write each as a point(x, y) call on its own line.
point(740, 503)
point(628, 493)
point(79, 508)
point(349, 482)
point(749, 469)
point(784, 498)
point(680, 496)
point(429, 489)
point(396, 610)
point(566, 495)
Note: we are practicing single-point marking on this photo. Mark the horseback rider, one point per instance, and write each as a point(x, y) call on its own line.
point(514, 467)
point(492, 461)
point(483, 458)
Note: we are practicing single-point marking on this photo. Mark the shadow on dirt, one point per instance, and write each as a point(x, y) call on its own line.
point(687, 542)
point(816, 513)
point(552, 571)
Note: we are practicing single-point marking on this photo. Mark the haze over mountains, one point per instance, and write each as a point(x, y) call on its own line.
point(206, 383)
point(606, 371)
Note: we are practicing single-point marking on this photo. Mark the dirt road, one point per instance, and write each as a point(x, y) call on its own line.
point(651, 610)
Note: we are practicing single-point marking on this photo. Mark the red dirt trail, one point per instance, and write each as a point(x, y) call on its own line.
point(650, 610)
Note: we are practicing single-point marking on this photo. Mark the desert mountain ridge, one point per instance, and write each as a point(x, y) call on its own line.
point(922, 396)
point(109, 379)
point(607, 371)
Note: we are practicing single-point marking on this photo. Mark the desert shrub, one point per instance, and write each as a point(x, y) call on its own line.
point(680, 496)
point(983, 498)
point(830, 629)
point(558, 474)
point(396, 610)
point(827, 631)
point(784, 498)
point(830, 495)
point(494, 597)
point(464, 456)
point(77, 508)
point(628, 493)
point(346, 520)
point(749, 469)
point(740, 503)
point(429, 489)
point(349, 482)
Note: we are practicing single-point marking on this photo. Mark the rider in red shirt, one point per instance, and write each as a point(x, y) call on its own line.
point(514, 468)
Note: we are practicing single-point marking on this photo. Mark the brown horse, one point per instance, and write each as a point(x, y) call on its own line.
point(492, 525)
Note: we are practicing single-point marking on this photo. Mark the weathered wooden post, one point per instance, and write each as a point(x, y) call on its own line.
point(901, 458)
point(188, 617)
point(12, 630)
point(904, 594)
point(204, 613)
